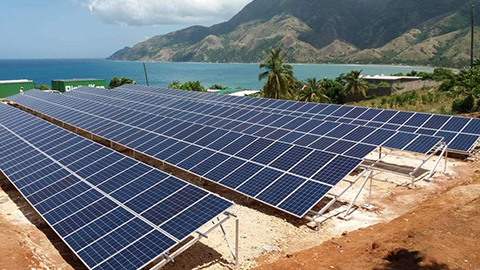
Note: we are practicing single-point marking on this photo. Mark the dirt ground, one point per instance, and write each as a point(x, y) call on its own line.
point(433, 222)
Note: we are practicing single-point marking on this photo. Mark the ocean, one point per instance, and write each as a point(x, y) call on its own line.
point(161, 73)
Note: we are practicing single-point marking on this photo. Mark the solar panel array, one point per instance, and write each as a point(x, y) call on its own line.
point(112, 211)
point(290, 177)
point(460, 133)
point(349, 140)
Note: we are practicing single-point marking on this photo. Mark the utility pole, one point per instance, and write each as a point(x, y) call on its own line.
point(146, 76)
point(472, 63)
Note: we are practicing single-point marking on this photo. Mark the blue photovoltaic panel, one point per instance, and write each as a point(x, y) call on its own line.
point(280, 189)
point(259, 182)
point(400, 118)
point(456, 124)
point(369, 114)
point(309, 194)
point(473, 127)
point(268, 155)
point(241, 175)
point(464, 142)
point(290, 158)
point(400, 140)
point(336, 170)
point(84, 194)
point(311, 164)
point(421, 144)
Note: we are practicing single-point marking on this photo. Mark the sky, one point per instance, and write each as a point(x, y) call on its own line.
point(31, 29)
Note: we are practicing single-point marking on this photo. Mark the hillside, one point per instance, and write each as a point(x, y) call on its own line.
point(338, 31)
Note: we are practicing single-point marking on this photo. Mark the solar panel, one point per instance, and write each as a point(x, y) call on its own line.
point(112, 211)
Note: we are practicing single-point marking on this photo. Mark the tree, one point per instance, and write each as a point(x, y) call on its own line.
point(355, 84)
point(279, 79)
point(42, 87)
point(334, 89)
point(116, 82)
point(313, 91)
point(188, 86)
point(219, 87)
point(412, 73)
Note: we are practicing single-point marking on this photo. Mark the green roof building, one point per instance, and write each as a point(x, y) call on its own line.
point(12, 87)
point(69, 85)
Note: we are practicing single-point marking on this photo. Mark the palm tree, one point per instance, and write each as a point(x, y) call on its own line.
point(279, 76)
point(313, 91)
point(355, 84)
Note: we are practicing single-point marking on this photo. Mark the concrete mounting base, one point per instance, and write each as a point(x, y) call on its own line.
point(368, 207)
point(345, 218)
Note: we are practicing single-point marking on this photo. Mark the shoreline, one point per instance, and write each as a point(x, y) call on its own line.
point(423, 66)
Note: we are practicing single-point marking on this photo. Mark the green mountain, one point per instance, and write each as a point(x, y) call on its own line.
point(333, 31)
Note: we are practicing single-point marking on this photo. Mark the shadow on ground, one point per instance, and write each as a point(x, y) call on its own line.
point(199, 256)
point(412, 260)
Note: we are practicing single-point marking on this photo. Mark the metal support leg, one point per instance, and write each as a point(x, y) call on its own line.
point(380, 153)
point(412, 184)
point(432, 172)
point(356, 196)
point(234, 254)
point(237, 260)
point(446, 160)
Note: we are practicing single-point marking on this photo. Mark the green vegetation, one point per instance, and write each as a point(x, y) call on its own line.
point(279, 80)
point(43, 87)
point(313, 91)
point(116, 82)
point(424, 100)
point(219, 87)
point(188, 86)
point(355, 84)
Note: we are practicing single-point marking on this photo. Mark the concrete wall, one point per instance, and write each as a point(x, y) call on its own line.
point(415, 85)
point(388, 91)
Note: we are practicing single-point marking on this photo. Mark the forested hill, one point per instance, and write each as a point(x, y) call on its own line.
point(336, 31)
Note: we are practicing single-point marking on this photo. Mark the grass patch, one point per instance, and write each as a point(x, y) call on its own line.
point(424, 100)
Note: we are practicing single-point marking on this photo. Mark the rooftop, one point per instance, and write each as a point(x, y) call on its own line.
point(77, 80)
point(390, 78)
point(15, 81)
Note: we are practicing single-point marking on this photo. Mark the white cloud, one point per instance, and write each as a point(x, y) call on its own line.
point(158, 12)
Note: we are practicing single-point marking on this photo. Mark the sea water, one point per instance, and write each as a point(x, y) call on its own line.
point(162, 73)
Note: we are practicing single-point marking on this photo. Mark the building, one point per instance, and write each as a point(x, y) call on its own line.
point(390, 79)
point(12, 87)
point(70, 84)
point(234, 92)
point(381, 85)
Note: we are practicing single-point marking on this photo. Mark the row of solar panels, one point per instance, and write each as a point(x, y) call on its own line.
point(112, 211)
point(289, 177)
point(348, 140)
point(460, 133)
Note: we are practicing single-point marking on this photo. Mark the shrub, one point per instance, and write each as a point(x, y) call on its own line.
point(116, 82)
point(447, 85)
point(463, 105)
point(219, 87)
point(42, 87)
point(189, 86)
